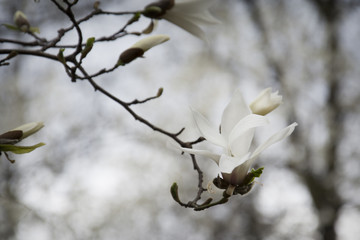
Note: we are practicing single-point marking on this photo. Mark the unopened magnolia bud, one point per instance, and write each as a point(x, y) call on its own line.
point(135, 18)
point(96, 5)
point(21, 21)
point(174, 192)
point(160, 92)
point(61, 56)
point(29, 128)
point(140, 47)
point(11, 137)
point(88, 46)
point(149, 42)
point(158, 9)
point(266, 102)
point(130, 55)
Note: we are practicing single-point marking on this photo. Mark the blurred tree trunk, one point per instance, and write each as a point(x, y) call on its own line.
point(322, 187)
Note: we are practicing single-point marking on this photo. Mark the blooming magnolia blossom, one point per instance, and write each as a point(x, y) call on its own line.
point(188, 15)
point(237, 130)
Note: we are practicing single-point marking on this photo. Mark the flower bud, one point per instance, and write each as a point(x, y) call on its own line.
point(158, 9)
point(265, 102)
point(129, 55)
point(140, 47)
point(21, 21)
point(29, 128)
point(149, 42)
point(11, 137)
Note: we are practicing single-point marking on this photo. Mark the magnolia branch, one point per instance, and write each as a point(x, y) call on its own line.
point(74, 69)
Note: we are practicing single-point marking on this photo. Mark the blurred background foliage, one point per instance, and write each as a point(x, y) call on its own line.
point(103, 175)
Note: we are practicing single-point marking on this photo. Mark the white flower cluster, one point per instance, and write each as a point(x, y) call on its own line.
point(237, 129)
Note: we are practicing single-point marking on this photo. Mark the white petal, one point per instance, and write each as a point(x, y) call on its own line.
point(196, 11)
point(233, 113)
point(209, 132)
point(213, 156)
point(241, 145)
point(205, 153)
point(246, 123)
point(241, 136)
point(228, 163)
point(181, 21)
point(285, 132)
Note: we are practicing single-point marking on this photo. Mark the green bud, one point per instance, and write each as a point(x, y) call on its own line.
point(60, 55)
point(160, 92)
point(21, 21)
point(96, 5)
point(88, 47)
point(135, 18)
point(174, 192)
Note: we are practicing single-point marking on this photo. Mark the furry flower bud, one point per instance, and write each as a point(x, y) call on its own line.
point(140, 47)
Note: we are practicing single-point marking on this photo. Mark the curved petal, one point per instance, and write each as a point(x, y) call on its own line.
point(242, 134)
point(205, 153)
point(182, 22)
point(209, 132)
point(241, 145)
point(233, 113)
point(280, 135)
point(196, 11)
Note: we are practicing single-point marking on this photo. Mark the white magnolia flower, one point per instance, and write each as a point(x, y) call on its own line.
point(140, 47)
point(238, 124)
point(189, 15)
point(235, 169)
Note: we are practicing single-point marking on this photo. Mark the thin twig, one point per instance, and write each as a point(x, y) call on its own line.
point(75, 70)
